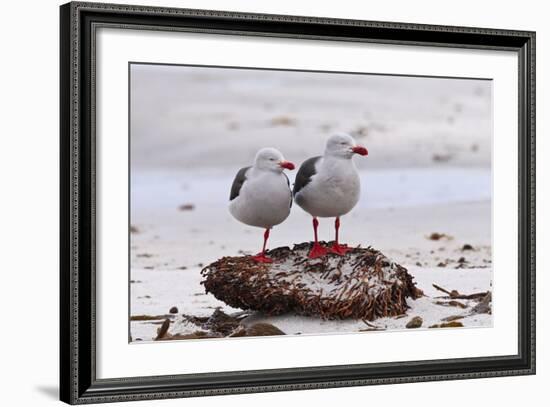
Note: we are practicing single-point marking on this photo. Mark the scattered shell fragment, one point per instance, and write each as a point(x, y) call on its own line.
point(415, 322)
point(438, 236)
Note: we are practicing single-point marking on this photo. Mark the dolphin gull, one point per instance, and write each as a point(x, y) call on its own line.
point(329, 186)
point(260, 194)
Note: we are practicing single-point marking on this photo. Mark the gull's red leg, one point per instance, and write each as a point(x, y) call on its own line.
point(261, 257)
point(316, 250)
point(337, 248)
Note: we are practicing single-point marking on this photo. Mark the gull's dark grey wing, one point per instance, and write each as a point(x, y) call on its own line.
point(238, 182)
point(306, 171)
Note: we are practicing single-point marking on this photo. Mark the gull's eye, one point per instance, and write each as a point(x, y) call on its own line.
point(272, 159)
point(343, 143)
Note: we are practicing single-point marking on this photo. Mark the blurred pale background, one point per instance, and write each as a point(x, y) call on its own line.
point(196, 117)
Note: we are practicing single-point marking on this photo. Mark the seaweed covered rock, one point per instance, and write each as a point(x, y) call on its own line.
point(363, 284)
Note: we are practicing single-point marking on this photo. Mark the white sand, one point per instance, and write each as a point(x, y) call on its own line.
point(170, 239)
point(155, 292)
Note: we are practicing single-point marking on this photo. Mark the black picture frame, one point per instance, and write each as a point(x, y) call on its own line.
point(78, 381)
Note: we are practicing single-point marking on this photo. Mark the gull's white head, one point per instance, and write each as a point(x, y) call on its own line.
point(343, 145)
point(271, 159)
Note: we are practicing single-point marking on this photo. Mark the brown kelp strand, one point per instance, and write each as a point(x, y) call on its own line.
point(363, 284)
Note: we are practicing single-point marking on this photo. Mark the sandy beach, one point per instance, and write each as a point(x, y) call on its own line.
point(172, 242)
point(428, 172)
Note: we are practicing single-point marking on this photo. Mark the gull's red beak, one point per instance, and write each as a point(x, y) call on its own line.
point(360, 150)
point(286, 164)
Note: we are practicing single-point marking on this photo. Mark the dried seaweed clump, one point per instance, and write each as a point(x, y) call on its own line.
point(363, 284)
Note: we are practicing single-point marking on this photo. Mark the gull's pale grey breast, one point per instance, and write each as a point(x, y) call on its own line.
point(263, 198)
point(333, 188)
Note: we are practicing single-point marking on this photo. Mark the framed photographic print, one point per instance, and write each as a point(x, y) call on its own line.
point(256, 203)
